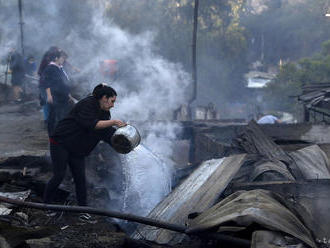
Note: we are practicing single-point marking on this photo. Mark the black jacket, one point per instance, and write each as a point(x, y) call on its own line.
point(77, 131)
point(56, 79)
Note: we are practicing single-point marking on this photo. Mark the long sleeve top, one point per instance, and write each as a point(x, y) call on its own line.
point(77, 131)
point(55, 78)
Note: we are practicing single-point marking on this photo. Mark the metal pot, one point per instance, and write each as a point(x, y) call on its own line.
point(125, 139)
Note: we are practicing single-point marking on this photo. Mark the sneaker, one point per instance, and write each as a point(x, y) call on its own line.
point(85, 217)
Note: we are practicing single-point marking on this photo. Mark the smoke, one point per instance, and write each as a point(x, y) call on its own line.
point(149, 87)
point(148, 84)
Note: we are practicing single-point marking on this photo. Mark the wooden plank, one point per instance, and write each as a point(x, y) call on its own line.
point(255, 141)
point(196, 194)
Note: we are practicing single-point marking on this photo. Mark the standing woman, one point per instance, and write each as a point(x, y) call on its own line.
point(42, 90)
point(57, 90)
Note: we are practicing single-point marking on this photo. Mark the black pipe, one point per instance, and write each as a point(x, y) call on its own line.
point(79, 209)
point(143, 220)
point(21, 23)
point(7, 68)
point(194, 63)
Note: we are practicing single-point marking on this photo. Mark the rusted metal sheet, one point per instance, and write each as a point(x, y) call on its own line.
point(255, 141)
point(256, 168)
point(312, 162)
point(248, 207)
point(309, 198)
point(196, 194)
point(270, 171)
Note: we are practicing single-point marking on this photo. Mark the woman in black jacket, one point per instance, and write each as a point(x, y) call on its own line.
point(56, 83)
point(76, 136)
point(46, 59)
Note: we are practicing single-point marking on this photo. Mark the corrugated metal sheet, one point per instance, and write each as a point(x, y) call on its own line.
point(196, 194)
point(256, 206)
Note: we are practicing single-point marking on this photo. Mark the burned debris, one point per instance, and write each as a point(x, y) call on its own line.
point(264, 199)
point(260, 194)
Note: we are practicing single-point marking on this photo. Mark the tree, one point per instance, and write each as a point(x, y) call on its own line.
point(293, 76)
point(221, 39)
point(289, 31)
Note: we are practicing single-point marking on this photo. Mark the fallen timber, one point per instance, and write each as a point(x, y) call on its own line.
point(255, 141)
point(129, 217)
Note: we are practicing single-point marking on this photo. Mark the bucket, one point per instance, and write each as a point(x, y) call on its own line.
point(125, 139)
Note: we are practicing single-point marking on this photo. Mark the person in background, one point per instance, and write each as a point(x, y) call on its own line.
point(109, 69)
point(268, 119)
point(56, 83)
point(42, 90)
point(16, 66)
point(76, 136)
point(30, 66)
point(30, 69)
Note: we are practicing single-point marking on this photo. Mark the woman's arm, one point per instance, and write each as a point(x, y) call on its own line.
point(109, 123)
point(49, 96)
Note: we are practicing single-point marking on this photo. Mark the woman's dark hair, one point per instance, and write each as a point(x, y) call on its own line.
point(52, 56)
point(46, 60)
point(103, 90)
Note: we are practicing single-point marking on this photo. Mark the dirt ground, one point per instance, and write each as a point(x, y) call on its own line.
point(22, 130)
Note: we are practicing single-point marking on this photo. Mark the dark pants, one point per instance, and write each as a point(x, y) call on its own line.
point(60, 159)
point(57, 111)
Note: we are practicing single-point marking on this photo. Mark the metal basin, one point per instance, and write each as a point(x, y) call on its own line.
point(125, 139)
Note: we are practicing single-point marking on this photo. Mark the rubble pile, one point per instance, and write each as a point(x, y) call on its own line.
point(266, 196)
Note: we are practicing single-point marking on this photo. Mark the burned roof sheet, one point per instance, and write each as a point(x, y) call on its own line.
point(312, 162)
point(245, 208)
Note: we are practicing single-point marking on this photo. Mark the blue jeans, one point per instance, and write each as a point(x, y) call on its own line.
point(57, 111)
point(45, 105)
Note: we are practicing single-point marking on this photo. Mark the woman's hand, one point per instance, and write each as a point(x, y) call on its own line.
point(109, 123)
point(49, 96)
point(119, 123)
